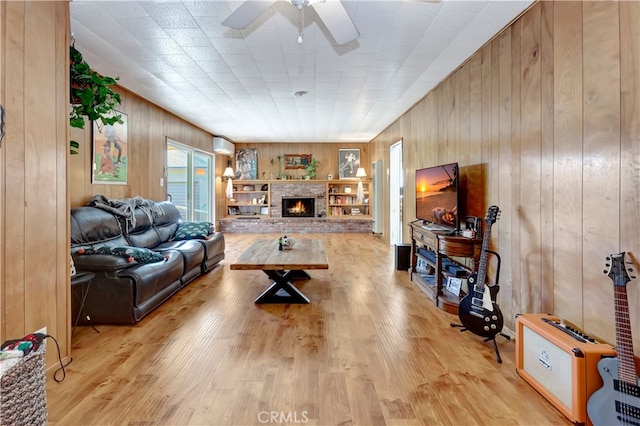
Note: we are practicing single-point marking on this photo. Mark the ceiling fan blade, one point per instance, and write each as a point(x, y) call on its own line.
point(335, 17)
point(247, 13)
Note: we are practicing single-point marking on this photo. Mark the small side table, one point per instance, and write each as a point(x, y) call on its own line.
point(83, 281)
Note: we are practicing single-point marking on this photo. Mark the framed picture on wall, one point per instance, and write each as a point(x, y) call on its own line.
point(296, 161)
point(110, 153)
point(247, 163)
point(348, 163)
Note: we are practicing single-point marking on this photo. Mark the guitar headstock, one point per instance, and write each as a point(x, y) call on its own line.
point(617, 271)
point(492, 215)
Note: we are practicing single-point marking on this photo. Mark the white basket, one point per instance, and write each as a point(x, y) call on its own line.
point(23, 400)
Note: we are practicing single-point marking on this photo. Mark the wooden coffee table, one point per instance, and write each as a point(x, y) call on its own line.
point(282, 267)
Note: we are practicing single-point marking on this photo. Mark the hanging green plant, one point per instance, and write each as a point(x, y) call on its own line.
point(91, 96)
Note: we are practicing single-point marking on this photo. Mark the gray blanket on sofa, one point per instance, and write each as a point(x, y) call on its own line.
point(125, 207)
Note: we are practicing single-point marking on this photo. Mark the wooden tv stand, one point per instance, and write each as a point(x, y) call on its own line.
point(444, 256)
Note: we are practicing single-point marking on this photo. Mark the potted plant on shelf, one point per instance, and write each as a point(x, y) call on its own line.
point(311, 168)
point(281, 174)
point(91, 96)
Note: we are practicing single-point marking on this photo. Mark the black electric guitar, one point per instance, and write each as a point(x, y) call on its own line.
point(618, 401)
point(478, 310)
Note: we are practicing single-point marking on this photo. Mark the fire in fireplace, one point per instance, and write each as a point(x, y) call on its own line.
point(298, 206)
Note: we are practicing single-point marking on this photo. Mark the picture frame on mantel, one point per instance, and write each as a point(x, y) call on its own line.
point(348, 163)
point(296, 161)
point(110, 152)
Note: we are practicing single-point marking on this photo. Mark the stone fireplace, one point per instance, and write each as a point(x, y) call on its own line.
point(298, 206)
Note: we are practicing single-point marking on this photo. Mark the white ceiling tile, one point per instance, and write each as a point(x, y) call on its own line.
point(207, 8)
point(168, 14)
point(178, 61)
point(142, 27)
point(189, 37)
point(240, 83)
point(162, 46)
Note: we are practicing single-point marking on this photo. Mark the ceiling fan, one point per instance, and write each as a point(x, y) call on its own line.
point(331, 12)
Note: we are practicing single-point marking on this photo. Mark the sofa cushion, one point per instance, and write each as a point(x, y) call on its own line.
point(166, 224)
point(142, 234)
point(137, 254)
point(192, 231)
point(90, 226)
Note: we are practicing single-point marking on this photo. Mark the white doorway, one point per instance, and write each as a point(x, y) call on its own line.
point(395, 193)
point(376, 181)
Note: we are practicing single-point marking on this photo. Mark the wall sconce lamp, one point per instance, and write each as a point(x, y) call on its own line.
point(228, 172)
point(360, 173)
point(228, 175)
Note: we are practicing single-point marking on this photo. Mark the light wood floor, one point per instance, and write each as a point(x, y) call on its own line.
point(370, 349)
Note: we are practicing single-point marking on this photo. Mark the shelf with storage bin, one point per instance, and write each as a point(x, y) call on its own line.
point(342, 199)
point(250, 198)
point(436, 257)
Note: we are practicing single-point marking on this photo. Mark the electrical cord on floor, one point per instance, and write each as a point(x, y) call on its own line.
point(62, 366)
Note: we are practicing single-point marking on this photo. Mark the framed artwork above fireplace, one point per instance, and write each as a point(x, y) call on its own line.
point(348, 163)
point(296, 161)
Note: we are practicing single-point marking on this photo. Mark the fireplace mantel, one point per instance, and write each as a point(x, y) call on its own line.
point(335, 202)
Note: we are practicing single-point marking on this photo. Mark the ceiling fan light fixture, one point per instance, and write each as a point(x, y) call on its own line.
point(304, 3)
point(332, 13)
point(300, 19)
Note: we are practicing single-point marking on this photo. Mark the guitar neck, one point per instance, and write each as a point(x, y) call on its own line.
point(482, 267)
point(626, 360)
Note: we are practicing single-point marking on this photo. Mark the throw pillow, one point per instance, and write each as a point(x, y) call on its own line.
point(138, 254)
point(192, 230)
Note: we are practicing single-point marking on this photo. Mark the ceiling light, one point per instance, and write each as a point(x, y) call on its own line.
point(300, 5)
point(300, 93)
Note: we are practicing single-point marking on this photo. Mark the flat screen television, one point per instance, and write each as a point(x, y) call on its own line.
point(438, 196)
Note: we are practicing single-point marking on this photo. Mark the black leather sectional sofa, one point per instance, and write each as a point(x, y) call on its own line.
point(127, 287)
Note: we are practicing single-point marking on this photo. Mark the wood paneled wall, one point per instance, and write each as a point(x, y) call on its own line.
point(34, 209)
point(544, 121)
point(325, 153)
point(149, 127)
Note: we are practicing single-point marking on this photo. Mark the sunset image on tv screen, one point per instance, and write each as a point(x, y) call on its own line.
point(436, 194)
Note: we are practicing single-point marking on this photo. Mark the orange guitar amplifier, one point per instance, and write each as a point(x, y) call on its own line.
point(559, 362)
